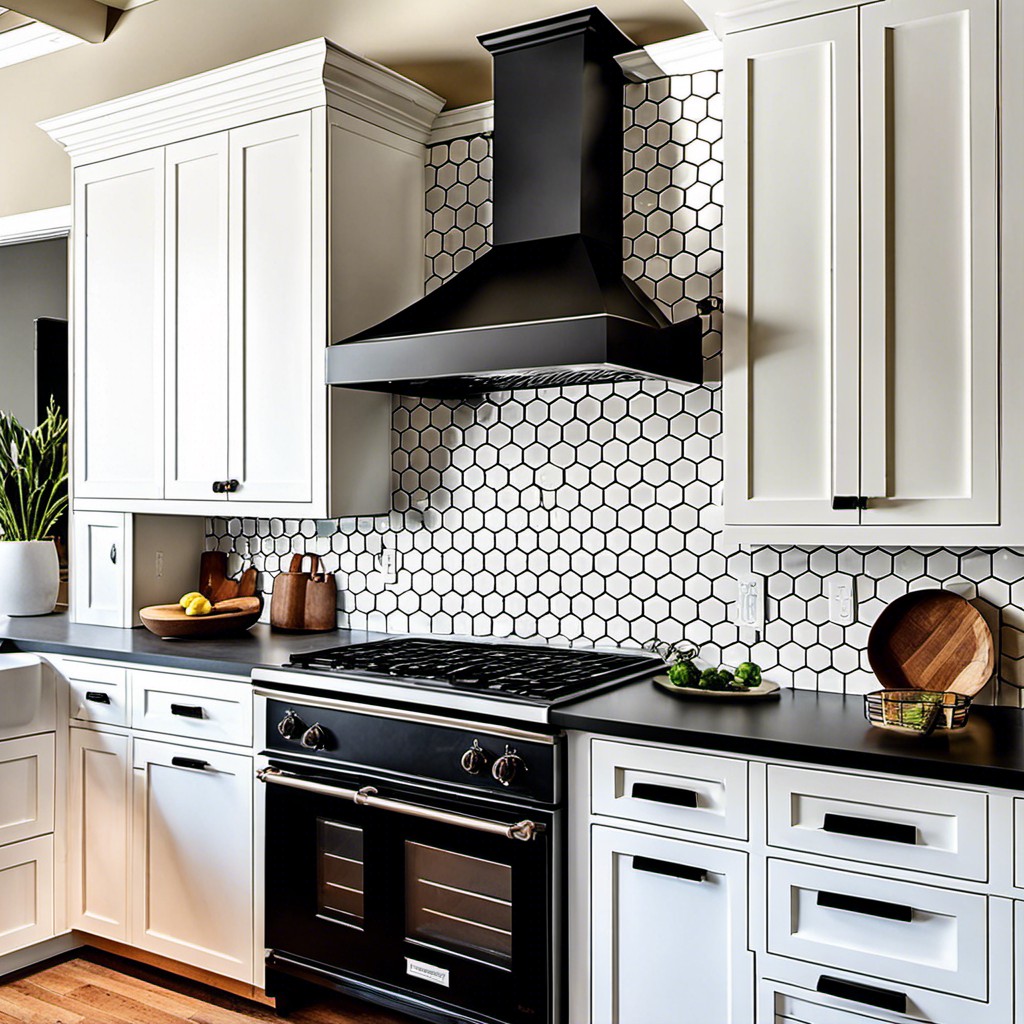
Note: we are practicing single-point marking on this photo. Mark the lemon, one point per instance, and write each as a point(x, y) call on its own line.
point(189, 598)
point(198, 606)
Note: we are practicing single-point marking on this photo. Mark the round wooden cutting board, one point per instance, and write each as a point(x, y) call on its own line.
point(932, 640)
point(169, 621)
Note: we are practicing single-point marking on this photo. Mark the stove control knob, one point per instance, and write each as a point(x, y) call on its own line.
point(508, 766)
point(291, 727)
point(315, 737)
point(475, 760)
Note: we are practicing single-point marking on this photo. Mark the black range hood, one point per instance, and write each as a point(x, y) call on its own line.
point(548, 304)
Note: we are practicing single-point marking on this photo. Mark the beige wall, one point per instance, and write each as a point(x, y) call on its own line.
point(171, 39)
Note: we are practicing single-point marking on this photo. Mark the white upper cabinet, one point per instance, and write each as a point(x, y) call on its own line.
point(221, 224)
point(862, 385)
point(930, 340)
point(792, 312)
point(271, 311)
point(118, 328)
point(196, 338)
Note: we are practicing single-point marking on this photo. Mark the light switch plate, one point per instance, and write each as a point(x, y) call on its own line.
point(842, 599)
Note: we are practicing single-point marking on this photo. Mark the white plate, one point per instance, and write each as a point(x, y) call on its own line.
point(765, 690)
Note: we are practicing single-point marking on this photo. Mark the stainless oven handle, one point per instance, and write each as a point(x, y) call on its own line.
point(367, 797)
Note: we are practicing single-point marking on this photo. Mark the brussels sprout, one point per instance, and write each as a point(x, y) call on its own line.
point(748, 674)
point(684, 673)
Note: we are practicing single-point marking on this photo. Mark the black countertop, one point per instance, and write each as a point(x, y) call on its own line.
point(824, 729)
point(234, 655)
point(815, 728)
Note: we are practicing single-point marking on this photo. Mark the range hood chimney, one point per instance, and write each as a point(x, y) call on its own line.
point(548, 304)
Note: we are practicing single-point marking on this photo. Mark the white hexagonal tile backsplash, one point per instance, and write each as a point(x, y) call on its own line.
point(590, 514)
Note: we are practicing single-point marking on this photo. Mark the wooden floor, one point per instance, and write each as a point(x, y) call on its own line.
point(108, 990)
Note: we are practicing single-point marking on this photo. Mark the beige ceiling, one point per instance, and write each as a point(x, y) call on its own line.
point(434, 42)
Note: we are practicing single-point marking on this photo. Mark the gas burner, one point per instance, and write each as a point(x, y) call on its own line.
point(520, 672)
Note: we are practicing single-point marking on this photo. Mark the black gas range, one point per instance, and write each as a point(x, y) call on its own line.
point(415, 837)
point(518, 681)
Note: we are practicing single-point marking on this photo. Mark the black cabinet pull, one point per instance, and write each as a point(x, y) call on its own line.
point(231, 486)
point(665, 867)
point(869, 995)
point(664, 794)
point(863, 905)
point(218, 486)
point(97, 697)
point(187, 711)
point(848, 502)
point(189, 762)
point(870, 828)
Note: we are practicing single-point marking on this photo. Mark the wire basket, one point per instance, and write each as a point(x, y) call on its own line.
point(916, 711)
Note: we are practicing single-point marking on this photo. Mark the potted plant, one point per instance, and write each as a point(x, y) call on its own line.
point(33, 497)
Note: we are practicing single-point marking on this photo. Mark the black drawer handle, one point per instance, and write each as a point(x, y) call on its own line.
point(189, 762)
point(883, 998)
point(97, 697)
point(871, 828)
point(664, 794)
point(863, 905)
point(665, 867)
point(187, 711)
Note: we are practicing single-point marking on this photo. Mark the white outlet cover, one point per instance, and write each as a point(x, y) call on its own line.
point(750, 590)
point(842, 599)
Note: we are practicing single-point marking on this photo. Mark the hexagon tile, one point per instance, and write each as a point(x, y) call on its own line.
point(622, 544)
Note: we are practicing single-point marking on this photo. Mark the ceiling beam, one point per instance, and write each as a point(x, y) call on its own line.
point(87, 19)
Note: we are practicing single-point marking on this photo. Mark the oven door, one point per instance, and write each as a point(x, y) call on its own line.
point(412, 891)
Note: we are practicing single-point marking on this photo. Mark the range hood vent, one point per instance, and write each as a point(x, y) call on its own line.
point(548, 305)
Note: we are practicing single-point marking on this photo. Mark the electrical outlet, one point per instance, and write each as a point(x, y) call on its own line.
point(387, 565)
point(158, 568)
point(750, 601)
point(842, 599)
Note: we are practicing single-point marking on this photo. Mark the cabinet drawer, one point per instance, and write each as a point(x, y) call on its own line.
point(879, 928)
point(26, 893)
point(99, 693)
point(879, 821)
point(26, 788)
point(696, 792)
point(187, 706)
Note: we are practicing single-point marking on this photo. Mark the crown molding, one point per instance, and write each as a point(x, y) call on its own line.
point(36, 226)
point(462, 122)
point(312, 74)
point(686, 55)
point(771, 12)
point(32, 40)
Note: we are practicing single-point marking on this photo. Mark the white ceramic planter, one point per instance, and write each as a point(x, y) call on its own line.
point(29, 577)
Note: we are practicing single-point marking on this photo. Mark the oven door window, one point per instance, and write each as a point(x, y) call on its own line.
point(458, 903)
point(340, 872)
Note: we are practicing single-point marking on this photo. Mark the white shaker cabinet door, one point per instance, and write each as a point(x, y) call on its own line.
point(98, 808)
point(192, 857)
point(930, 385)
point(197, 318)
point(790, 354)
point(271, 311)
point(118, 328)
point(668, 933)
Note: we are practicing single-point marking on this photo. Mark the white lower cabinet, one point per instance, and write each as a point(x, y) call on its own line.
point(26, 893)
point(160, 850)
point(98, 830)
point(668, 931)
point(192, 875)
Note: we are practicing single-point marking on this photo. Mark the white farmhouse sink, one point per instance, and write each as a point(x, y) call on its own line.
point(25, 698)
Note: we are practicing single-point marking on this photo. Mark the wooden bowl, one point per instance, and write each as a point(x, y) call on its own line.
point(932, 640)
point(169, 621)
